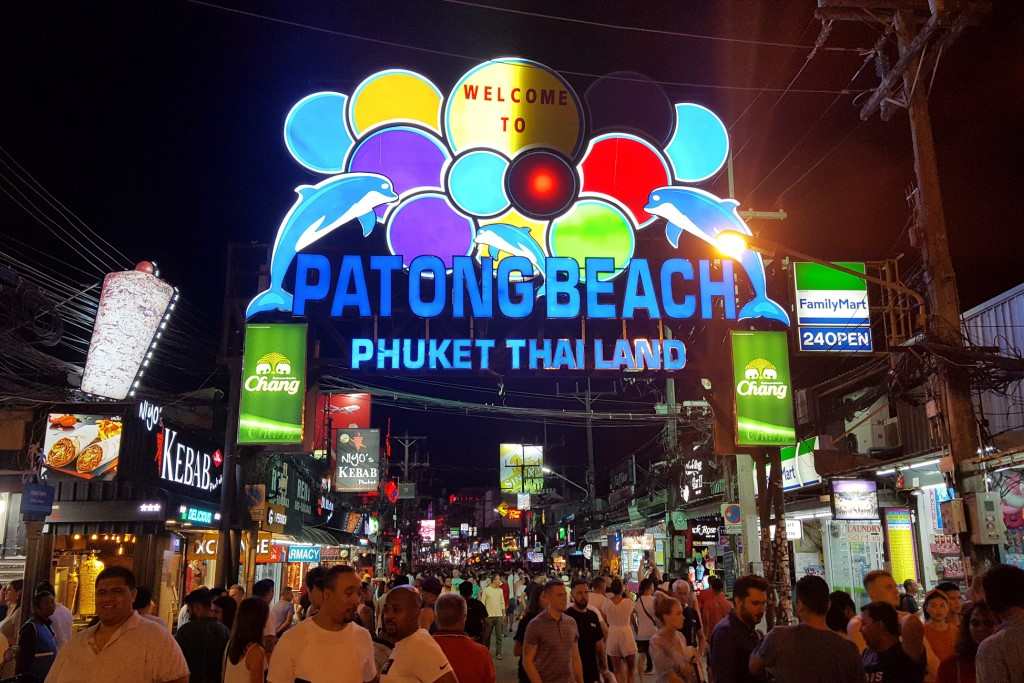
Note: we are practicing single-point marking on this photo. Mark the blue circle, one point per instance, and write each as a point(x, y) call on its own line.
point(699, 145)
point(476, 182)
point(315, 132)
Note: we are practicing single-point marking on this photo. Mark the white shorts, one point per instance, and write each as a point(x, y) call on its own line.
point(621, 642)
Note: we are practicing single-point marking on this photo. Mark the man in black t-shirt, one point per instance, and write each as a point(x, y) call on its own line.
point(884, 659)
point(591, 635)
point(476, 613)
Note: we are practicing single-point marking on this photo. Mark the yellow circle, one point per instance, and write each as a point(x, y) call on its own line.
point(394, 96)
point(513, 104)
point(538, 230)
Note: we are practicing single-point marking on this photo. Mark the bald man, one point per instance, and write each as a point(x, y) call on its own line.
point(470, 660)
point(416, 656)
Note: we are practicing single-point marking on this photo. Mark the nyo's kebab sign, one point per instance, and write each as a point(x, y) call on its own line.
point(86, 446)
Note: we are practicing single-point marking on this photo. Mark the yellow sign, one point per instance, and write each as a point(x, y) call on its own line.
point(511, 104)
point(901, 544)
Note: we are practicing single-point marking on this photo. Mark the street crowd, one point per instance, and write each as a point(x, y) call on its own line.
point(437, 626)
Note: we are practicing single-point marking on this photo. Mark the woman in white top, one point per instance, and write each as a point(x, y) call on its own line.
point(674, 660)
point(245, 661)
point(646, 626)
point(620, 644)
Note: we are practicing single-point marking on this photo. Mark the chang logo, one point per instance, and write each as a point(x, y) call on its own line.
point(273, 373)
point(761, 378)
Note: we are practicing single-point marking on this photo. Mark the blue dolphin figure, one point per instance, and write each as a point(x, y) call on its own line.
point(704, 215)
point(511, 239)
point(320, 209)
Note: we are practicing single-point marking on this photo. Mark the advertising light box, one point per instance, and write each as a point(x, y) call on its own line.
point(86, 446)
point(832, 308)
point(133, 310)
point(763, 391)
point(520, 468)
point(854, 499)
point(273, 384)
point(357, 452)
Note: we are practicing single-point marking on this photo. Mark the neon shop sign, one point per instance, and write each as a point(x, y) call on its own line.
point(493, 203)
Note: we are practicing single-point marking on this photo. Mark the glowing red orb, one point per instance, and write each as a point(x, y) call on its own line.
point(541, 183)
point(626, 168)
point(145, 267)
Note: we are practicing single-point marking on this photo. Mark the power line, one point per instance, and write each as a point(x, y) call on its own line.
point(810, 129)
point(644, 29)
point(817, 163)
point(475, 58)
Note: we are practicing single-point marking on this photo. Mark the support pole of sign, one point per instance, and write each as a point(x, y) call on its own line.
point(227, 556)
point(591, 470)
point(751, 555)
point(38, 551)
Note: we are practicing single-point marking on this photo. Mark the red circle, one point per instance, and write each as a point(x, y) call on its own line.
point(541, 183)
point(627, 169)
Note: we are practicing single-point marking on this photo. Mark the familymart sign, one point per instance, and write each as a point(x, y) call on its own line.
point(832, 308)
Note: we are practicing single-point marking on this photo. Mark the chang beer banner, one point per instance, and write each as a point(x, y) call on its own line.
point(273, 384)
point(761, 380)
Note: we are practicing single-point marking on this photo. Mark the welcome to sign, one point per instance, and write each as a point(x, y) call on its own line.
point(494, 203)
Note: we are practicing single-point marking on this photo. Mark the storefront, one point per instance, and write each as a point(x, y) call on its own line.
point(130, 490)
point(12, 532)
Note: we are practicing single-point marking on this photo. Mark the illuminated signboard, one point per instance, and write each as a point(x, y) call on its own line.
point(854, 499)
point(132, 315)
point(194, 515)
point(427, 530)
point(358, 455)
point(494, 202)
point(520, 468)
point(763, 393)
point(832, 308)
point(86, 446)
point(304, 553)
point(273, 384)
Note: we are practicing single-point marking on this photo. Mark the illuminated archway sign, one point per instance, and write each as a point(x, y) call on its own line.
point(494, 203)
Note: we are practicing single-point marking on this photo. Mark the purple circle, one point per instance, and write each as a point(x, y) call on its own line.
point(426, 224)
point(409, 157)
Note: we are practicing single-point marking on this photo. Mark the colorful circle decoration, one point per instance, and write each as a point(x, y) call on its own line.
point(315, 132)
point(410, 157)
point(499, 166)
point(625, 167)
point(594, 227)
point(699, 145)
point(476, 182)
point(395, 96)
point(512, 104)
point(541, 183)
point(427, 224)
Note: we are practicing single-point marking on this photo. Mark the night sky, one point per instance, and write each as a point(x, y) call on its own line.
point(160, 125)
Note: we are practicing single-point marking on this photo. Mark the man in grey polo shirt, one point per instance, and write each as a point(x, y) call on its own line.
point(550, 654)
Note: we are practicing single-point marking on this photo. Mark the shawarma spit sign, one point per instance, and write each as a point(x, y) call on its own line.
point(493, 199)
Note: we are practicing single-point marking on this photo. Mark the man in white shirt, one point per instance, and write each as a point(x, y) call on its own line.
point(597, 600)
point(328, 647)
point(123, 646)
point(416, 658)
point(494, 600)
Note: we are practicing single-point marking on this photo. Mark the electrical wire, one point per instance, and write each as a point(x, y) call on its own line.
point(817, 163)
point(474, 58)
point(645, 30)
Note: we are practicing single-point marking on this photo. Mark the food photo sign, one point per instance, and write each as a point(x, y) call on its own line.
point(86, 446)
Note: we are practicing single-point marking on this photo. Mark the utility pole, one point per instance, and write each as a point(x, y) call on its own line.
point(406, 442)
point(588, 398)
point(914, 36)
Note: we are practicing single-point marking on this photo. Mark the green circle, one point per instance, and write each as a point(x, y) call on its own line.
point(593, 228)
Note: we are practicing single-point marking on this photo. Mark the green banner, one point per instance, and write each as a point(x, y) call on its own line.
point(273, 384)
point(763, 390)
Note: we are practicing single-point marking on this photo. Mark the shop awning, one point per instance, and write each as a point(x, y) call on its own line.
point(318, 536)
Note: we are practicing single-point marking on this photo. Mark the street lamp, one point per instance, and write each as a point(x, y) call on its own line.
point(548, 470)
point(732, 244)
